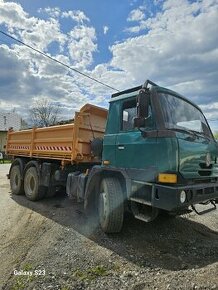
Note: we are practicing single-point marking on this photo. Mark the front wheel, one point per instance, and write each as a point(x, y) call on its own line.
point(111, 205)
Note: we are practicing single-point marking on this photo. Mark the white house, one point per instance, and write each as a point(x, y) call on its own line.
point(8, 120)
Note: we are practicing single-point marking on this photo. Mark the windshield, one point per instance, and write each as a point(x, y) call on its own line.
point(179, 114)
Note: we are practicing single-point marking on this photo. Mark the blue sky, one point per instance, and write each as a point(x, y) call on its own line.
point(122, 43)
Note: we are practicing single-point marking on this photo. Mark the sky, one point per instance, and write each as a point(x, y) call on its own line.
point(121, 43)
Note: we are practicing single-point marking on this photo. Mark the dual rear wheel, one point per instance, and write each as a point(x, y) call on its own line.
point(28, 185)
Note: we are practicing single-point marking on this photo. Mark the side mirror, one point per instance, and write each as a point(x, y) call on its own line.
point(142, 108)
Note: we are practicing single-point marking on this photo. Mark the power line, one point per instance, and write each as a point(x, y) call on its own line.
point(51, 58)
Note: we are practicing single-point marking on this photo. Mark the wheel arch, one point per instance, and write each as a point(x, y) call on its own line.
point(94, 181)
point(32, 163)
point(21, 162)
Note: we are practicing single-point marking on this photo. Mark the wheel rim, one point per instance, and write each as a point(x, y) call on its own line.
point(16, 180)
point(30, 183)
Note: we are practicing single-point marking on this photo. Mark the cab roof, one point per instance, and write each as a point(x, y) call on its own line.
point(133, 91)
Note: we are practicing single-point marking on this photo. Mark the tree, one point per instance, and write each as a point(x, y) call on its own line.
point(44, 113)
point(24, 124)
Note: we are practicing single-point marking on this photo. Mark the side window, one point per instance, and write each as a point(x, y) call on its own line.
point(129, 112)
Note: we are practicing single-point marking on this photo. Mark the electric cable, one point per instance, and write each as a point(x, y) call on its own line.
point(57, 61)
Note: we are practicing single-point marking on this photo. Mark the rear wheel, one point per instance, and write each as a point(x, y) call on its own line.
point(31, 185)
point(16, 181)
point(111, 205)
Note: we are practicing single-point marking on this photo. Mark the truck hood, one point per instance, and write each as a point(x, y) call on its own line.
point(198, 159)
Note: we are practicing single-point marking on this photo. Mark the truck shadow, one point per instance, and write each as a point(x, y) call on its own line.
point(168, 243)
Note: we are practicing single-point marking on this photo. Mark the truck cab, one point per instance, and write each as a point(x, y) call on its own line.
point(159, 148)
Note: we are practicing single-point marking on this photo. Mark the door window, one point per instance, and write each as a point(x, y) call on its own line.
point(128, 115)
point(129, 112)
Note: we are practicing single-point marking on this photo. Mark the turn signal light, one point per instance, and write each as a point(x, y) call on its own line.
point(167, 178)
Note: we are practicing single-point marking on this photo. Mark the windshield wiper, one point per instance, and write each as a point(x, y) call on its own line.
point(190, 132)
point(202, 134)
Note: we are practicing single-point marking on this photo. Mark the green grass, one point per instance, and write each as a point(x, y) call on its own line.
point(22, 282)
point(27, 267)
point(19, 284)
point(5, 162)
point(91, 273)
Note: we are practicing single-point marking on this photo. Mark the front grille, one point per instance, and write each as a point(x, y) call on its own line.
point(205, 170)
point(207, 190)
point(197, 166)
point(204, 166)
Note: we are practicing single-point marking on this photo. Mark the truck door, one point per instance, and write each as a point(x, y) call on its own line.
point(133, 150)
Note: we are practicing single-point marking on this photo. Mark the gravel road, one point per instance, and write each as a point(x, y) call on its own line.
point(51, 245)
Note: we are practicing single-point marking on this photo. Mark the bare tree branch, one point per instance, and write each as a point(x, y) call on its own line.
point(44, 113)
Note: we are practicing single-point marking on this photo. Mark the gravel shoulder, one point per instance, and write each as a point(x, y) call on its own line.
point(52, 245)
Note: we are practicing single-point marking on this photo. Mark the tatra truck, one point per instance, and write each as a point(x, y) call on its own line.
point(151, 152)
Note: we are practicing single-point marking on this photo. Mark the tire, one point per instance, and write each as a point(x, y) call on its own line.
point(31, 185)
point(16, 181)
point(111, 205)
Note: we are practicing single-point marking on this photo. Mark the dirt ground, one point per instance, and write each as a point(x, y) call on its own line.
point(50, 244)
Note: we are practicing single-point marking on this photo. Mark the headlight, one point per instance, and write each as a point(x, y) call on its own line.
point(182, 196)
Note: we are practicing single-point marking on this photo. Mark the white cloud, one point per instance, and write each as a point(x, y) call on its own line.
point(51, 11)
point(14, 16)
point(22, 81)
point(211, 113)
point(178, 51)
point(76, 15)
point(105, 29)
point(34, 31)
point(43, 33)
point(25, 73)
point(82, 45)
point(136, 15)
point(55, 12)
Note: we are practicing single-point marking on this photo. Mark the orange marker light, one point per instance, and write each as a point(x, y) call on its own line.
point(167, 178)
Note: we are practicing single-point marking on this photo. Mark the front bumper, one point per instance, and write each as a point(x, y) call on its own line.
point(168, 197)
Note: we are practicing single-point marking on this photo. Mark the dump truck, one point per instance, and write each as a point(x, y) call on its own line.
point(151, 152)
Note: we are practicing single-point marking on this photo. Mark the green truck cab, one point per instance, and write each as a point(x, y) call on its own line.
point(159, 154)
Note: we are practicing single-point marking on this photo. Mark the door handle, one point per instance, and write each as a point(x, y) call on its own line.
point(121, 147)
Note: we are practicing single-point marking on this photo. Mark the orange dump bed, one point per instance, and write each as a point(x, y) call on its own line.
point(69, 142)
